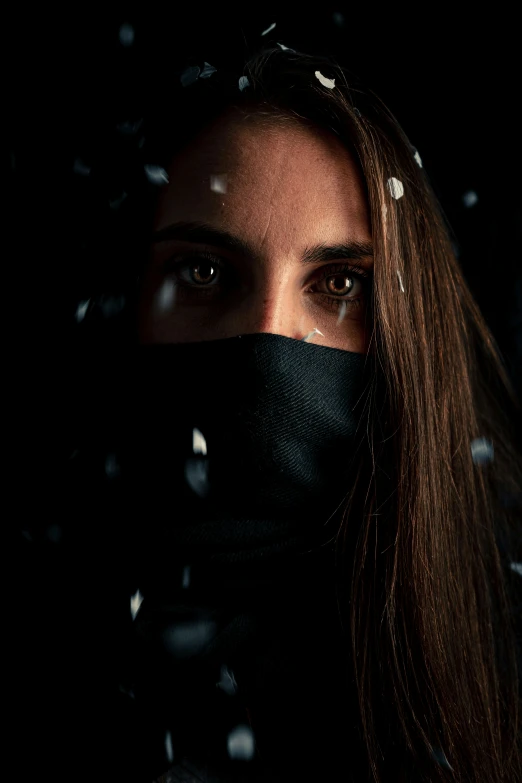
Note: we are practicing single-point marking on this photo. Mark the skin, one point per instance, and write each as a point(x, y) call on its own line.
point(288, 188)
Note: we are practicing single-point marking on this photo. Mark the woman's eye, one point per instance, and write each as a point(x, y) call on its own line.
point(199, 271)
point(344, 283)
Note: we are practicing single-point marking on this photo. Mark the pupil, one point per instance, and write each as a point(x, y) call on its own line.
point(340, 282)
point(203, 271)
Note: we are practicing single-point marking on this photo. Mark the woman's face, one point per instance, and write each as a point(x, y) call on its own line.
point(256, 232)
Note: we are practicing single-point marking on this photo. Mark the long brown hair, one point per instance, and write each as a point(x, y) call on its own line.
point(429, 599)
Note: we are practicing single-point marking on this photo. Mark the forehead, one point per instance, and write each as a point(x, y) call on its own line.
point(247, 171)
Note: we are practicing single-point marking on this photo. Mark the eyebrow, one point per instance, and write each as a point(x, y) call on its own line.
point(205, 234)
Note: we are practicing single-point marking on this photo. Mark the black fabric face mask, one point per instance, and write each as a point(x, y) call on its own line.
point(241, 448)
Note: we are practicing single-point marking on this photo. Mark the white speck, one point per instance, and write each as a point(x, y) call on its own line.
point(227, 681)
point(185, 583)
point(400, 280)
point(207, 71)
point(126, 34)
point(243, 83)
point(190, 75)
point(338, 19)
point(516, 567)
point(440, 757)
point(310, 335)
point(218, 183)
point(418, 158)
point(357, 112)
point(268, 29)
point(156, 174)
point(481, 451)
point(135, 603)
point(395, 187)
point(169, 750)
point(240, 743)
point(470, 198)
point(196, 475)
point(112, 468)
point(81, 168)
point(199, 444)
point(118, 201)
point(82, 309)
point(285, 48)
point(330, 83)
point(342, 312)
point(166, 296)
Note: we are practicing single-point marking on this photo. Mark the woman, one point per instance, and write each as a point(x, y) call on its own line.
point(335, 543)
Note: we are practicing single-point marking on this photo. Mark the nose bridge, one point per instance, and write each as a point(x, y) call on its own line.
point(274, 306)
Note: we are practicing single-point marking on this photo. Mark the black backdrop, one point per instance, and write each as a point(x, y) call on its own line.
point(70, 79)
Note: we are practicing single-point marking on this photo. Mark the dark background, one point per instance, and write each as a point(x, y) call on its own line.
point(70, 79)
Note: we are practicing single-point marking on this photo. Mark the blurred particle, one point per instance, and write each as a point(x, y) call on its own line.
point(227, 681)
point(81, 310)
point(199, 444)
point(81, 168)
point(126, 34)
point(395, 187)
point(135, 603)
point(243, 83)
point(196, 475)
point(330, 83)
point(111, 305)
point(27, 535)
point(129, 127)
point(218, 183)
point(481, 451)
point(470, 198)
point(156, 174)
point(186, 638)
point(13, 160)
point(357, 112)
point(400, 280)
point(338, 19)
point(439, 756)
point(311, 335)
point(342, 312)
point(112, 468)
point(54, 533)
point(166, 296)
point(286, 48)
point(126, 691)
point(169, 750)
point(240, 743)
point(268, 29)
point(207, 71)
point(185, 580)
point(115, 203)
point(418, 158)
point(190, 75)
point(516, 567)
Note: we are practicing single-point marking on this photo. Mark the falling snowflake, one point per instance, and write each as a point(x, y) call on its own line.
point(400, 280)
point(243, 83)
point(135, 603)
point(207, 71)
point(156, 174)
point(418, 158)
point(112, 468)
point(240, 743)
point(81, 168)
point(126, 34)
point(165, 297)
point(185, 580)
point(481, 451)
point(285, 48)
point(218, 183)
point(516, 567)
point(338, 19)
point(470, 198)
point(268, 29)
point(81, 310)
point(342, 312)
point(330, 83)
point(169, 750)
point(311, 335)
point(199, 444)
point(227, 681)
point(395, 187)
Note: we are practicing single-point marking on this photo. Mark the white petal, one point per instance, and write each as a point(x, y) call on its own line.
point(482, 451)
point(418, 158)
point(470, 198)
point(135, 603)
point(218, 183)
point(243, 83)
point(268, 29)
point(311, 335)
point(330, 83)
point(189, 75)
point(400, 280)
point(240, 743)
point(199, 444)
point(156, 174)
point(126, 34)
point(207, 71)
point(395, 187)
point(81, 310)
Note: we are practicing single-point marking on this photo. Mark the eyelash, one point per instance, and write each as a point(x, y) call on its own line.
point(173, 265)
